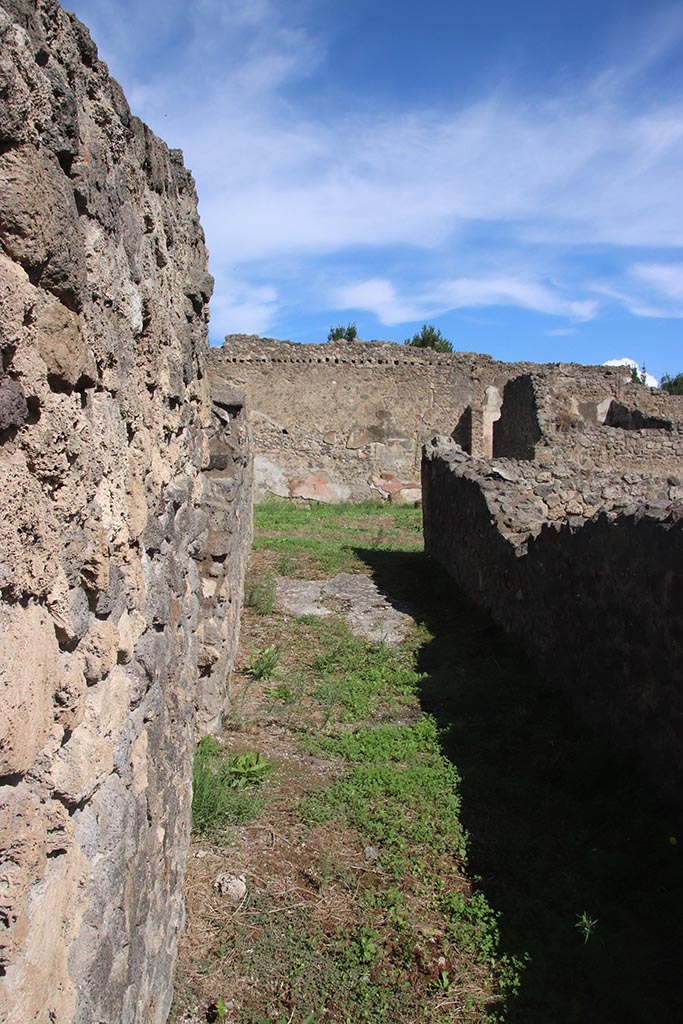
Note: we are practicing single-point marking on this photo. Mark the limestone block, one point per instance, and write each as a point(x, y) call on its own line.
point(99, 649)
point(40, 228)
point(359, 439)
point(87, 758)
point(38, 987)
point(28, 568)
point(407, 496)
point(137, 506)
point(70, 690)
point(61, 345)
point(28, 671)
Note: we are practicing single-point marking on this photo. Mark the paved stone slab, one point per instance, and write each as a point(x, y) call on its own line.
point(367, 610)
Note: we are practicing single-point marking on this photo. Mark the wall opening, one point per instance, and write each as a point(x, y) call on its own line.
point(621, 416)
point(517, 432)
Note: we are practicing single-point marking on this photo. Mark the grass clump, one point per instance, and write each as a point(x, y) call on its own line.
point(260, 593)
point(283, 693)
point(357, 677)
point(225, 788)
point(262, 664)
point(384, 744)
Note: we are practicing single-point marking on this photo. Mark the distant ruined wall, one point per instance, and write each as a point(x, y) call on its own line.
point(346, 421)
point(124, 525)
point(585, 568)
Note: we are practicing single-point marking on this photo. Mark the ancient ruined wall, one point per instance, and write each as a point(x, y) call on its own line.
point(347, 420)
point(118, 533)
point(226, 501)
point(343, 421)
point(586, 569)
point(634, 428)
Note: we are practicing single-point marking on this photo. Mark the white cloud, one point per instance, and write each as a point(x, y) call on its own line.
point(243, 309)
point(284, 175)
point(654, 291)
point(664, 278)
point(651, 381)
point(279, 177)
point(382, 298)
point(525, 294)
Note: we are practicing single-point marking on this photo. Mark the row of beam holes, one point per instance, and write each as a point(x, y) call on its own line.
point(354, 362)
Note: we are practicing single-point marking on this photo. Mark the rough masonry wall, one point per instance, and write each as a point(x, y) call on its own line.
point(585, 568)
point(118, 530)
point(347, 420)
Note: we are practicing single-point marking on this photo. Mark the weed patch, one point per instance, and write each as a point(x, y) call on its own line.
point(262, 664)
point(259, 593)
point(394, 805)
point(384, 744)
point(357, 677)
point(224, 788)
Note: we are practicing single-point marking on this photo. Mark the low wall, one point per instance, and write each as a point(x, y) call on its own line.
point(586, 570)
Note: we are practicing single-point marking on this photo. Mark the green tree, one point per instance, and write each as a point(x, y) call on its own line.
point(341, 333)
point(674, 385)
point(430, 337)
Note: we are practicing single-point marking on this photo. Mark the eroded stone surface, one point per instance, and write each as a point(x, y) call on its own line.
point(124, 527)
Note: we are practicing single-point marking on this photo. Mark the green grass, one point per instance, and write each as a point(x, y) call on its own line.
point(259, 592)
point(383, 744)
point(414, 804)
point(356, 678)
point(400, 795)
point(574, 912)
point(263, 664)
point(282, 515)
point(325, 538)
point(355, 704)
point(225, 788)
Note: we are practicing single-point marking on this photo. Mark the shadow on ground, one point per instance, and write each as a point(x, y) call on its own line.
point(569, 841)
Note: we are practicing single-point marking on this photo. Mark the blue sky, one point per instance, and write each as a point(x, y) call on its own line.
point(509, 171)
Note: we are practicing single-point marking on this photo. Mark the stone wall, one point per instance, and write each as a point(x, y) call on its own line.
point(344, 421)
point(347, 420)
point(585, 567)
point(124, 523)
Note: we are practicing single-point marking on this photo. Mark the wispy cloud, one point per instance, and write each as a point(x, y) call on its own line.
point(664, 278)
point(653, 290)
point(287, 174)
point(382, 298)
point(249, 309)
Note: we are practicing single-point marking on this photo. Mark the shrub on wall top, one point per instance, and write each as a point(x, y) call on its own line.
point(674, 385)
point(341, 333)
point(430, 337)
